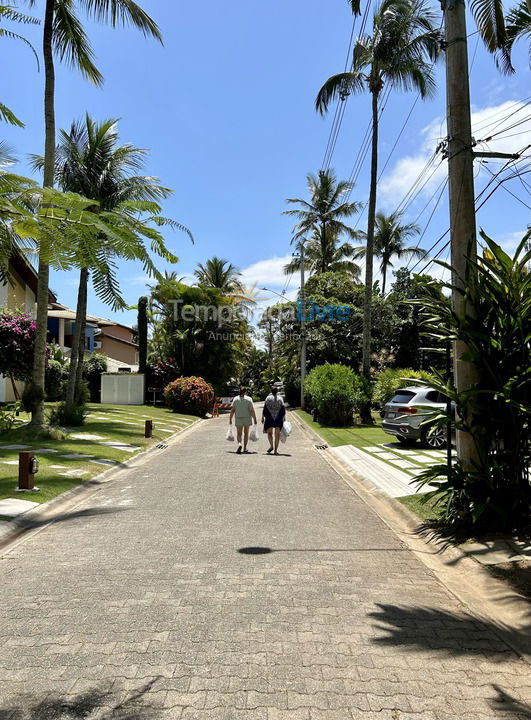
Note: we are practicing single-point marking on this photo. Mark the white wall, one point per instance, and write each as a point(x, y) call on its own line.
point(122, 389)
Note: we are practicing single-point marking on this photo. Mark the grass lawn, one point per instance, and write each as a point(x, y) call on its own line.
point(358, 435)
point(119, 424)
point(425, 511)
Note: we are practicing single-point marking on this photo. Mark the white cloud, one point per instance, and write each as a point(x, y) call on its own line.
point(268, 273)
point(490, 122)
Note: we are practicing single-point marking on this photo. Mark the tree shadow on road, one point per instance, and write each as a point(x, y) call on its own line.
point(432, 629)
point(32, 523)
point(95, 703)
point(454, 635)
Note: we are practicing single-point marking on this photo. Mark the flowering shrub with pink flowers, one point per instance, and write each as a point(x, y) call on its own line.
point(17, 345)
point(189, 395)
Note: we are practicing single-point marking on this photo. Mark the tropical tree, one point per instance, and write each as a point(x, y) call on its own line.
point(89, 161)
point(326, 254)
point(220, 274)
point(8, 12)
point(321, 218)
point(398, 54)
point(64, 37)
point(390, 237)
point(518, 26)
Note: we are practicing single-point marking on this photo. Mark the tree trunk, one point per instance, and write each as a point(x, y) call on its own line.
point(81, 348)
point(384, 278)
point(369, 253)
point(74, 352)
point(15, 388)
point(49, 171)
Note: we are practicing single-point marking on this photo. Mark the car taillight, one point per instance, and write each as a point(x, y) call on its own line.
point(407, 410)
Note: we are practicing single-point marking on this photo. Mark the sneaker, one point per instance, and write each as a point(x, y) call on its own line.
point(239, 450)
point(269, 451)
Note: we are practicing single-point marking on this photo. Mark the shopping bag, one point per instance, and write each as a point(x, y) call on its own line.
point(230, 434)
point(254, 434)
point(285, 432)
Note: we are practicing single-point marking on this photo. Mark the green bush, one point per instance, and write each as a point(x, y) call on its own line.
point(336, 392)
point(389, 381)
point(93, 368)
point(62, 416)
point(190, 395)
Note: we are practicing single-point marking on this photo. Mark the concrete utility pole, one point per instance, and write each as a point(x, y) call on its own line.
point(303, 331)
point(461, 190)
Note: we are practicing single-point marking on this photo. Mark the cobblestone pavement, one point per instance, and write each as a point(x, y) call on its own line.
point(139, 606)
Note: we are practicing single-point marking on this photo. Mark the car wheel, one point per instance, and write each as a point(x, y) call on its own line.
point(435, 437)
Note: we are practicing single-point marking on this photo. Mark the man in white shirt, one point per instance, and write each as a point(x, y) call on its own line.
point(243, 411)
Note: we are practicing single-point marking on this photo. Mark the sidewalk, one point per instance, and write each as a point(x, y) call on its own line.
point(205, 584)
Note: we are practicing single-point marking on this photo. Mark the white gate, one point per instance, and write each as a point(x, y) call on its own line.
point(122, 389)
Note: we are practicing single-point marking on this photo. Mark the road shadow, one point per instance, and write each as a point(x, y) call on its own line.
point(433, 629)
point(506, 703)
point(32, 523)
point(83, 706)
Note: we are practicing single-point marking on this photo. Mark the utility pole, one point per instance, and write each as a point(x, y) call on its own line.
point(461, 193)
point(303, 331)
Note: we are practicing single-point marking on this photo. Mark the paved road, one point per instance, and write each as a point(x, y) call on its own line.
point(141, 607)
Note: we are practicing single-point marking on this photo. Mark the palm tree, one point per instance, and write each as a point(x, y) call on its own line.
point(390, 237)
point(325, 211)
point(90, 162)
point(220, 274)
point(64, 36)
point(10, 13)
point(397, 54)
point(326, 255)
point(518, 26)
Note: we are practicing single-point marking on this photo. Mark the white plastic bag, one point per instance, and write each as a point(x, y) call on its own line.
point(253, 435)
point(286, 431)
point(230, 434)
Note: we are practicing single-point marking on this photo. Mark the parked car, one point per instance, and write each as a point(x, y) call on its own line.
point(406, 416)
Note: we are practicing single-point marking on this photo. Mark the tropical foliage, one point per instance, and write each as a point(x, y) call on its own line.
point(390, 237)
point(390, 380)
point(17, 342)
point(496, 328)
point(323, 252)
point(12, 14)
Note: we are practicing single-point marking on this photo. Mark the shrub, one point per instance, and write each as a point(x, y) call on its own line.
point(63, 416)
point(391, 380)
point(8, 416)
point(93, 368)
point(336, 392)
point(191, 395)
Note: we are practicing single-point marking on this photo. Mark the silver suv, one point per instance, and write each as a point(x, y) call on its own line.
point(406, 416)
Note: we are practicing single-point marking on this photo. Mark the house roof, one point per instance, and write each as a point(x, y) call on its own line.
point(118, 339)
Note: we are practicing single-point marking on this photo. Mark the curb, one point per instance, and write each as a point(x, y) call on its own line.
point(19, 526)
point(485, 597)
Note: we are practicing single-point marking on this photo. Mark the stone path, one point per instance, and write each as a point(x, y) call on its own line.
point(204, 584)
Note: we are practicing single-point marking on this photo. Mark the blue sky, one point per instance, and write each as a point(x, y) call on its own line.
point(226, 109)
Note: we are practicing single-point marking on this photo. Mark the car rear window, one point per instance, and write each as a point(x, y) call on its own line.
point(402, 396)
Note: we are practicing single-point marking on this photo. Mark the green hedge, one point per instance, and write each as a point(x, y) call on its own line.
point(336, 392)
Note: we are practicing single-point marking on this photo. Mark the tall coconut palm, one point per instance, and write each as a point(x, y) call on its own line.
point(390, 238)
point(7, 12)
point(326, 209)
point(220, 274)
point(326, 254)
point(397, 54)
point(90, 161)
point(65, 37)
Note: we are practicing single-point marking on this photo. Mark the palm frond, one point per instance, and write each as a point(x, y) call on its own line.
point(71, 42)
point(122, 12)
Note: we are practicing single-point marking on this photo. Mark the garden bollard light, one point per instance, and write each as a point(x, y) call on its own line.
point(28, 466)
point(148, 432)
